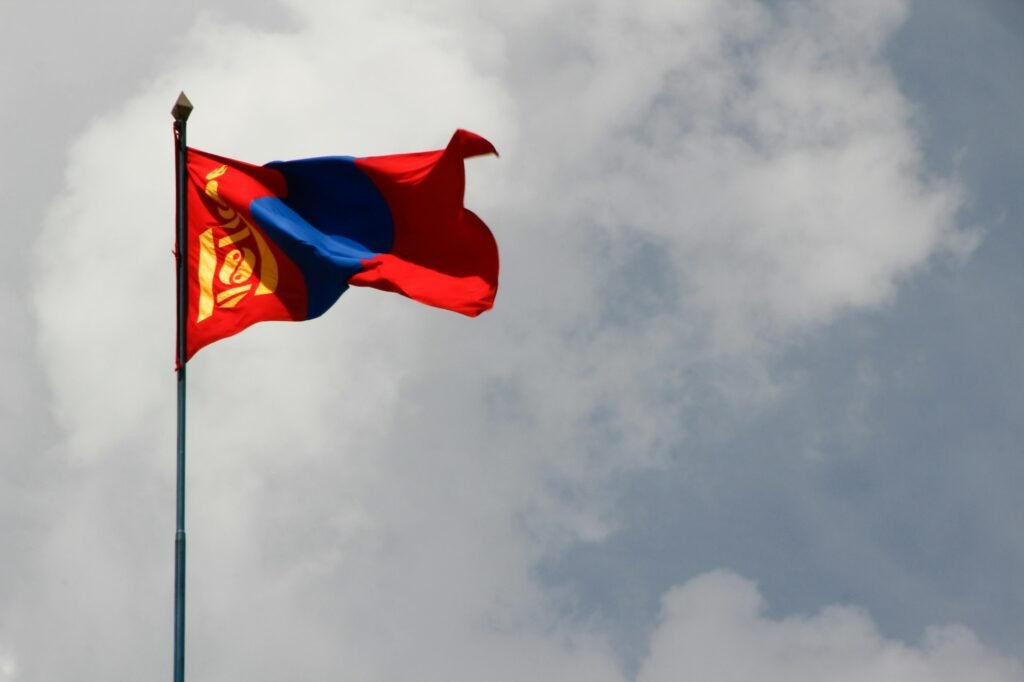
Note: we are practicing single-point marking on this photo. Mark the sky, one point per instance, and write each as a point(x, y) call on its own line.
point(748, 405)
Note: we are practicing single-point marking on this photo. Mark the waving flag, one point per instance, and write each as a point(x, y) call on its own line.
point(283, 241)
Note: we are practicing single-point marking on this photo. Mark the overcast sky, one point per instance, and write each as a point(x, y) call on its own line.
point(748, 406)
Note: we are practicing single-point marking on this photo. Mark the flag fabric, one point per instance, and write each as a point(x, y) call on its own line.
point(283, 241)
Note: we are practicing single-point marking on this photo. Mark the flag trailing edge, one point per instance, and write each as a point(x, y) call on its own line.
point(283, 241)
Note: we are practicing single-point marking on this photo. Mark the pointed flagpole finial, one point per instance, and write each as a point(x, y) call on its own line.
point(182, 108)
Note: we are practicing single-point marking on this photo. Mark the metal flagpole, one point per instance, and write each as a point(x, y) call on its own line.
point(182, 109)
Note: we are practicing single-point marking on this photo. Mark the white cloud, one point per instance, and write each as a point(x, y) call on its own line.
point(714, 628)
point(371, 491)
point(768, 152)
point(8, 667)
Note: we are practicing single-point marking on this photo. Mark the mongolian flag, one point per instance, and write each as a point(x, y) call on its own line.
point(283, 241)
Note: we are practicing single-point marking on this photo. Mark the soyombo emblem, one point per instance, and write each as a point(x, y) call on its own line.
point(234, 260)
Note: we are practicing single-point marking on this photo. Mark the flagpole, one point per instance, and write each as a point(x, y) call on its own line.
point(182, 109)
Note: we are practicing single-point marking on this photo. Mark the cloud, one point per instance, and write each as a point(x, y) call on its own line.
point(371, 491)
point(766, 152)
point(714, 628)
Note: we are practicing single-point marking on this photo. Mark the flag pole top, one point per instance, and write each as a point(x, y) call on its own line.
point(182, 108)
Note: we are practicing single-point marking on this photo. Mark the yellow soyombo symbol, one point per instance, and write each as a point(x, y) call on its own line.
point(237, 262)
